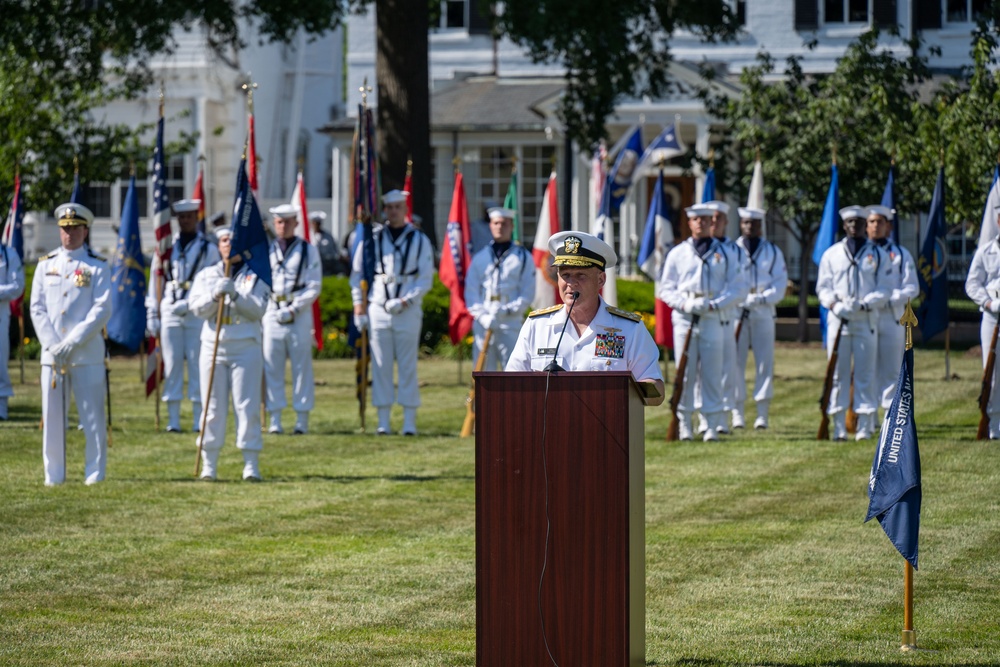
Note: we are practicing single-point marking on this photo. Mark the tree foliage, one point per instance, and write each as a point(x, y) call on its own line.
point(609, 49)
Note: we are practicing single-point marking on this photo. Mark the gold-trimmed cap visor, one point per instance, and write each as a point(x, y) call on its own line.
point(573, 248)
point(73, 215)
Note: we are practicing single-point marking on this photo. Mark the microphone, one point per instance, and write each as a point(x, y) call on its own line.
point(553, 367)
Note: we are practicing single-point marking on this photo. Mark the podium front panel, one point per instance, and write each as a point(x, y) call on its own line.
point(559, 520)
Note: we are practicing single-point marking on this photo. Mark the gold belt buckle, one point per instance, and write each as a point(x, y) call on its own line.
point(495, 298)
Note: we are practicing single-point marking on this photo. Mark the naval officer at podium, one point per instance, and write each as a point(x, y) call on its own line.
point(602, 337)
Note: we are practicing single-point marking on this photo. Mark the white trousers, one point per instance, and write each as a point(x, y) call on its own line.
point(239, 365)
point(294, 343)
point(705, 363)
point(181, 341)
point(889, 355)
point(6, 388)
point(86, 384)
point(501, 343)
point(395, 338)
point(857, 344)
point(757, 334)
point(731, 375)
point(986, 337)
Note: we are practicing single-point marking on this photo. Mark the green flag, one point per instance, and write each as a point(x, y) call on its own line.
point(510, 201)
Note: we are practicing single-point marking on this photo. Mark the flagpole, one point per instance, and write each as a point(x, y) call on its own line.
point(211, 375)
point(20, 340)
point(908, 638)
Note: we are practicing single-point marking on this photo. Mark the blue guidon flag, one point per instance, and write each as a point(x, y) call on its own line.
point(894, 484)
point(249, 240)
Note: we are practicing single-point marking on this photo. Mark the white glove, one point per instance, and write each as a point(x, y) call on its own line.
point(753, 300)
point(695, 305)
point(152, 326)
point(181, 308)
point(842, 310)
point(394, 306)
point(994, 306)
point(285, 316)
point(223, 287)
point(896, 297)
point(60, 353)
point(360, 322)
point(487, 320)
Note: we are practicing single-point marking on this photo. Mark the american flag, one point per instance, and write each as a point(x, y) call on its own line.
point(161, 205)
point(299, 201)
point(13, 235)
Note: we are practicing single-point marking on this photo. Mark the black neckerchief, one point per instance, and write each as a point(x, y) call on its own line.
point(186, 239)
point(396, 232)
point(752, 243)
point(500, 248)
point(855, 245)
point(283, 243)
point(701, 246)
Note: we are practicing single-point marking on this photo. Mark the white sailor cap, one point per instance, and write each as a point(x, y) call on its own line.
point(717, 206)
point(317, 216)
point(573, 248)
point(884, 211)
point(395, 196)
point(218, 218)
point(223, 232)
point(748, 213)
point(73, 215)
point(186, 205)
point(284, 211)
point(500, 212)
point(699, 211)
point(851, 212)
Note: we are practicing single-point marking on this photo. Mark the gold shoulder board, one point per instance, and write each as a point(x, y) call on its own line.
point(635, 317)
point(545, 311)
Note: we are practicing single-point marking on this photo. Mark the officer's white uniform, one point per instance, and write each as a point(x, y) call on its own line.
point(766, 276)
point(499, 290)
point(615, 340)
point(852, 287)
point(70, 305)
point(404, 273)
point(702, 284)
point(983, 287)
point(11, 287)
point(296, 281)
point(902, 286)
point(238, 364)
point(180, 330)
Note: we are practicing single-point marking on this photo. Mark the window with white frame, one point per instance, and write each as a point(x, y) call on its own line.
point(845, 11)
point(533, 169)
point(106, 199)
point(964, 11)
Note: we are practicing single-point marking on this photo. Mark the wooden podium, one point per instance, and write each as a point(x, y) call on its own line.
point(560, 520)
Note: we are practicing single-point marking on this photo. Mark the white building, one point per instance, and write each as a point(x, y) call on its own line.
point(491, 106)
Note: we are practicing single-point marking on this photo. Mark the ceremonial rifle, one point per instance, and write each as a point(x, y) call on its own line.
point(987, 387)
point(739, 325)
point(675, 398)
point(470, 409)
point(824, 400)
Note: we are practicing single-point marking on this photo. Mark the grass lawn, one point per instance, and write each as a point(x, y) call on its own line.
point(361, 551)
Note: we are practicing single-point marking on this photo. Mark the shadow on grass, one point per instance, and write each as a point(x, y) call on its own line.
point(284, 479)
point(903, 661)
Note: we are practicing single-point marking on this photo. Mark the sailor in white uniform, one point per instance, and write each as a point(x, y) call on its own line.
point(70, 305)
point(404, 273)
point(852, 281)
point(903, 286)
point(168, 313)
point(239, 364)
point(983, 287)
point(700, 281)
point(597, 337)
point(499, 288)
point(11, 287)
point(296, 281)
point(766, 276)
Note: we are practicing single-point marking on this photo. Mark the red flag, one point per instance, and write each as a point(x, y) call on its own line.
point(154, 371)
point(299, 201)
point(13, 237)
point(252, 159)
point(546, 290)
point(455, 263)
point(408, 189)
point(664, 334)
point(199, 194)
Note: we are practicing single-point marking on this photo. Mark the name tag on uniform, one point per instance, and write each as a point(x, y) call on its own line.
point(610, 345)
point(546, 351)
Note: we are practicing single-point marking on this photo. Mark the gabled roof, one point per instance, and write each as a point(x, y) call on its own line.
point(494, 103)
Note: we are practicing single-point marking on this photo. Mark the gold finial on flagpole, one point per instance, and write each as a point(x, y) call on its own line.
point(249, 87)
point(163, 94)
point(908, 320)
point(364, 90)
point(456, 161)
point(833, 152)
point(711, 158)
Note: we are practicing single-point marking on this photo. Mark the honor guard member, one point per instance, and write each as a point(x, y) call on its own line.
point(171, 317)
point(404, 273)
point(329, 252)
point(239, 365)
point(11, 287)
point(901, 287)
point(766, 276)
point(699, 278)
point(296, 281)
point(499, 288)
point(983, 287)
point(70, 305)
point(853, 276)
point(597, 337)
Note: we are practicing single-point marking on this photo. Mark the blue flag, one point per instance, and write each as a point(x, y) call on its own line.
point(665, 146)
point(249, 240)
point(894, 484)
point(620, 177)
point(827, 234)
point(127, 325)
point(708, 192)
point(76, 197)
point(889, 201)
point(658, 234)
point(932, 267)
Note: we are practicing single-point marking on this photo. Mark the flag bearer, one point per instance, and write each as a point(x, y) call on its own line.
point(11, 287)
point(983, 287)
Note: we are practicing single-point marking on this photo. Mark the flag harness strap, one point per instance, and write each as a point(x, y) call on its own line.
point(298, 272)
point(194, 267)
point(402, 264)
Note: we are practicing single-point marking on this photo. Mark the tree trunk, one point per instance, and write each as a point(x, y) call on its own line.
point(404, 126)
